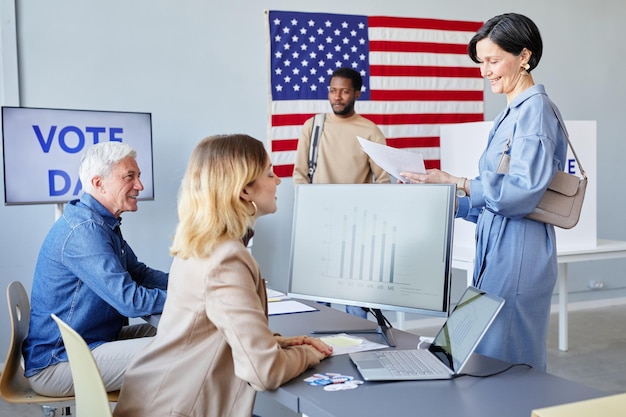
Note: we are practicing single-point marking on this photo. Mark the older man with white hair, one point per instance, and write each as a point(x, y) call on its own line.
point(88, 276)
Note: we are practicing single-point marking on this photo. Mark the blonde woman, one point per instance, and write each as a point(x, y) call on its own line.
point(214, 349)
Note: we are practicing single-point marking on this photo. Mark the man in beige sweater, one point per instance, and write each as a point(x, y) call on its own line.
point(340, 159)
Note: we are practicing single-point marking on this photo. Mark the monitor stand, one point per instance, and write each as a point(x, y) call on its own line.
point(383, 329)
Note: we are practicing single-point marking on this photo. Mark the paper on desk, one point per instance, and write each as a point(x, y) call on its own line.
point(273, 295)
point(287, 307)
point(393, 160)
point(343, 343)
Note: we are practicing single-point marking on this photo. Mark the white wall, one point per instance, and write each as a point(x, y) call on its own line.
point(200, 68)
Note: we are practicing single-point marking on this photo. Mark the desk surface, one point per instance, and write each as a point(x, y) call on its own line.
point(513, 393)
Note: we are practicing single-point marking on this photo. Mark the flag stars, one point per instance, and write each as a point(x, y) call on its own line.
point(308, 51)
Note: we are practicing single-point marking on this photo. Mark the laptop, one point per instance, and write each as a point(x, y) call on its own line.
point(447, 354)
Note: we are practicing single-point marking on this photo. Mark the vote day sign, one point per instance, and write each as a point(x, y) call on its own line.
point(42, 150)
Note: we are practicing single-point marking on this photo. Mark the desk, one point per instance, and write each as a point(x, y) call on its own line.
point(514, 393)
point(463, 258)
point(610, 406)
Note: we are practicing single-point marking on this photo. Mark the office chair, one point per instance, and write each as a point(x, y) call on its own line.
point(14, 386)
point(91, 395)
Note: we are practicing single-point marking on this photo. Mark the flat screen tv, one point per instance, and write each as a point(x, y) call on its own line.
point(42, 148)
point(378, 246)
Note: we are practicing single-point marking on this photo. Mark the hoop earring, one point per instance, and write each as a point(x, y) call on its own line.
point(525, 67)
point(255, 209)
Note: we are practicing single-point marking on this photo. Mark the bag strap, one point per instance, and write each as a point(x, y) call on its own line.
point(562, 124)
point(316, 132)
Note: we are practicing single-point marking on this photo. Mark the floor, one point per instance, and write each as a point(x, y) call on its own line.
point(596, 335)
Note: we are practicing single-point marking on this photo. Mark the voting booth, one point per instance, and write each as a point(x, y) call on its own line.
point(462, 145)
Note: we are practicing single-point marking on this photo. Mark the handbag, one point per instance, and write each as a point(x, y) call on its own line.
point(563, 200)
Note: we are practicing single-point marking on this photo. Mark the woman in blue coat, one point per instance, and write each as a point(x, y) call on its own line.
point(515, 256)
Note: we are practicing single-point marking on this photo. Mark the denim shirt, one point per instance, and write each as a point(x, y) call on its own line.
point(88, 276)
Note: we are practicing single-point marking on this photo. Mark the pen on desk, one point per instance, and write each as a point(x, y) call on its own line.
point(273, 299)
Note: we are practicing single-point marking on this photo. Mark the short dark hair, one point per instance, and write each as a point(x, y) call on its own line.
point(512, 32)
point(349, 73)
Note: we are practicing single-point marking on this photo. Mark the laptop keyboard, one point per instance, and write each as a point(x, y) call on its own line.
point(406, 363)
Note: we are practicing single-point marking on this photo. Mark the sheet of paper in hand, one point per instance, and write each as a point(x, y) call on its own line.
point(393, 160)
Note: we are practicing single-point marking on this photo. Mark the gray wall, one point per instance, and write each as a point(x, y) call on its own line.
point(200, 68)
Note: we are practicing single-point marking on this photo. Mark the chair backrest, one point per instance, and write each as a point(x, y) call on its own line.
point(89, 390)
point(14, 386)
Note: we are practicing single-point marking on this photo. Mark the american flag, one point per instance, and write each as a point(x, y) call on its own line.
point(416, 76)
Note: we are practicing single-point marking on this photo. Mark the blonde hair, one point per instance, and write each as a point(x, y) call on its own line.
point(210, 209)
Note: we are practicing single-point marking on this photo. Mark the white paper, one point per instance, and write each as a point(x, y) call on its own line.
point(287, 307)
point(343, 343)
point(273, 295)
point(393, 160)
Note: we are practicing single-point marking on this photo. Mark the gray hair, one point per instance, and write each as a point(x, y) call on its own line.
point(99, 159)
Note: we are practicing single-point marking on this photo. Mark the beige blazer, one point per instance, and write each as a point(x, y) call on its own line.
point(213, 347)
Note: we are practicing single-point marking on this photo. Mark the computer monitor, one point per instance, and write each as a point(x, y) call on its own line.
point(378, 246)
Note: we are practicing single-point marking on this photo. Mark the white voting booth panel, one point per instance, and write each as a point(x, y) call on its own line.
point(462, 145)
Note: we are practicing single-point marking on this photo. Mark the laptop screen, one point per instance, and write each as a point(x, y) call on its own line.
point(462, 331)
